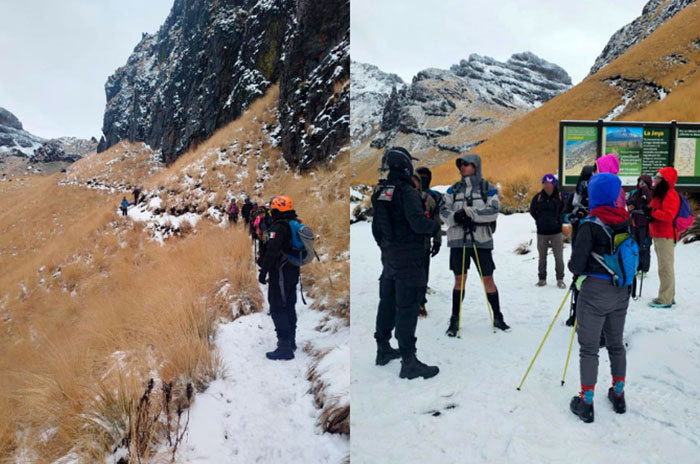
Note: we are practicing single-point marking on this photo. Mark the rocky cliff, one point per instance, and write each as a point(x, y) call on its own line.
point(370, 88)
point(212, 58)
point(14, 140)
point(444, 112)
point(654, 14)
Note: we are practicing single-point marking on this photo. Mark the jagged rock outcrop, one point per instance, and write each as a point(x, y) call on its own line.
point(444, 112)
point(67, 149)
point(370, 88)
point(314, 104)
point(14, 140)
point(654, 14)
point(212, 58)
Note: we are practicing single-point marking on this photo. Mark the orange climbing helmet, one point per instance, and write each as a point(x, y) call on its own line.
point(282, 203)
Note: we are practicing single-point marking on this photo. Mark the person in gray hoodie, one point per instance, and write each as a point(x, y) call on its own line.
point(470, 210)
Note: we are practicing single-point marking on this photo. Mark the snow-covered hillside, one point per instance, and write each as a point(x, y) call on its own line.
point(472, 412)
point(370, 87)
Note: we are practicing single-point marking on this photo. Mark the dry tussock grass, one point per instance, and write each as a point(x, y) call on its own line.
point(78, 343)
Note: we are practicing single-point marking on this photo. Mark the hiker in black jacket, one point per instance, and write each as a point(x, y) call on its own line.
point(547, 209)
point(283, 278)
point(245, 210)
point(400, 229)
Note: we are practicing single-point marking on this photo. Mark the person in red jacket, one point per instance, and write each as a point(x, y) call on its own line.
point(662, 210)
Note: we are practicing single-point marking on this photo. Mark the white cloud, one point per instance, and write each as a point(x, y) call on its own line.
point(55, 57)
point(406, 36)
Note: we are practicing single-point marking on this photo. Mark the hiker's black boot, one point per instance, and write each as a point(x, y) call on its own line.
point(282, 353)
point(499, 323)
point(411, 368)
point(452, 328)
point(422, 313)
point(583, 410)
point(386, 353)
point(618, 402)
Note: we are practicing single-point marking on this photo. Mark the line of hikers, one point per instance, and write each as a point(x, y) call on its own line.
point(610, 247)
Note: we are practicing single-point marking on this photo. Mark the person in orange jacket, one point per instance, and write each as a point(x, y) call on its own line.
point(662, 211)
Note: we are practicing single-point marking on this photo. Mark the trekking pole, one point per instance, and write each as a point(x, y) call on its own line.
point(483, 284)
point(571, 343)
point(461, 288)
point(544, 339)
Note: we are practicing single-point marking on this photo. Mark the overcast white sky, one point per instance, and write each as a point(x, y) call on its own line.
point(407, 36)
point(56, 55)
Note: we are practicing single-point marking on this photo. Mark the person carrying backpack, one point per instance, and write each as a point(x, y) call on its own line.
point(470, 209)
point(603, 299)
point(432, 201)
point(638, 199)
point(400, 229)
point(252, 215)
point(283, 278)
point(232, 211)
point(662, 211)
point(245, 210)
point(124, 206)
point(546, 209)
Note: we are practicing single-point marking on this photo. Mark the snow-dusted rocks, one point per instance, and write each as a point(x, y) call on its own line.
point(654, 14)
point(14, 140)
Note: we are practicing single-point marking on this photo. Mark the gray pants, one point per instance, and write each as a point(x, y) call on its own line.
point(601, 307)
point(556, 243)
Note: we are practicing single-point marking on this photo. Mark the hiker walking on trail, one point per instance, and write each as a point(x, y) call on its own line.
point(400, 228)
point(546, 208)
point(283, 278)
point(137, 192)
point(124, 206)
point(245, 210)
point(232, 211)
point(252, 215)
point(470, 209)
point(432, 201)
point(662, 211)
point(639, 198)
point(603, 300)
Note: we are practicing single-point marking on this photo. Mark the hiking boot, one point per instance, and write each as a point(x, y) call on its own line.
point(581, 409)
point(386, 353)
point(618, 402)
point(570, 321)
point(282, 353)
point(561, 284)
point(499, 323)
point(411, 368)
point(452, 329)
point(655, 303)
point(422, 313)
point(541, 283)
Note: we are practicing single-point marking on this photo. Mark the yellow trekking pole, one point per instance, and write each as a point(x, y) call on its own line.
point(544, 339)
point(461, 290)
point(571, 343)
point(483, 284)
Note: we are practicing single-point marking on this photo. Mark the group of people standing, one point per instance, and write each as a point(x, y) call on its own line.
point(408, 219)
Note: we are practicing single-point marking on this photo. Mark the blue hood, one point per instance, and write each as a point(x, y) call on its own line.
point(603, 190)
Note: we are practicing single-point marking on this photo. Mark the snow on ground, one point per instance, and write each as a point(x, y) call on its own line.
point(262, 411)
point(482, 418)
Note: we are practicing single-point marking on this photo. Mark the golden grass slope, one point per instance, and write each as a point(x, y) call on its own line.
point(524, 151)
point(91, 307)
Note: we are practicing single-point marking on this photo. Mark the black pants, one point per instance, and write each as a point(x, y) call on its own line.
point(233, 217)
point(641, 236)
point(123, 211)
point(427, 276)
point(398, 308)
point(282, 296)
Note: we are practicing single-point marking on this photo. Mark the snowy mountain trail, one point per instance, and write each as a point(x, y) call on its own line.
point(261, 410)
point(472, 412)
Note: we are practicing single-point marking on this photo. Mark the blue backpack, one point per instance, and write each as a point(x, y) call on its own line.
point(623, 260)
point(302, 252)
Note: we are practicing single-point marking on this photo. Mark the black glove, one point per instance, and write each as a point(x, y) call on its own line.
point(463, 220)
point(580, 213)
point(435, 249)
point(262, 277)
point(647, 211)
